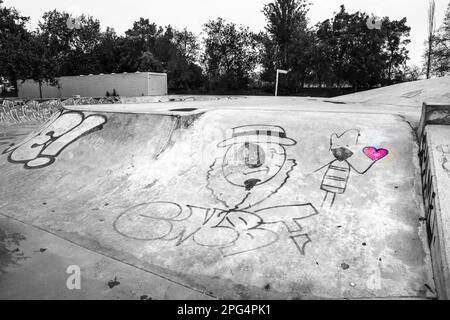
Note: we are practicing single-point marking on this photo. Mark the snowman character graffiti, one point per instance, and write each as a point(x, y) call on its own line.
point(252, 168)
point(338, 171)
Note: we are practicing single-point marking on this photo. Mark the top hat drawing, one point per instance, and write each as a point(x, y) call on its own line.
point(258, 134)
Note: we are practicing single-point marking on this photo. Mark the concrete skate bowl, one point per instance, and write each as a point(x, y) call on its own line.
point(288, 205)
point(412, 94)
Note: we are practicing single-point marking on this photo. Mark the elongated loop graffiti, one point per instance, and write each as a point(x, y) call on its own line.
point(41, 148)
point(232, 232)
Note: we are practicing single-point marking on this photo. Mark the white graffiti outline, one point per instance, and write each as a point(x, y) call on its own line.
point(52, 144)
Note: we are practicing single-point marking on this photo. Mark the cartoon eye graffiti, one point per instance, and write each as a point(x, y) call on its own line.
point(250, 164)
point(250, 154)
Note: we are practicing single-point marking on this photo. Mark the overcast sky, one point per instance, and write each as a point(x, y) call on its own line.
point(192, 14)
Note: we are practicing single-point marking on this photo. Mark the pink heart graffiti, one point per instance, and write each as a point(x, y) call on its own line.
point(375, 154)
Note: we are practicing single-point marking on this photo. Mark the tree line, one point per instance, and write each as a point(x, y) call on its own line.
point(438, 49)
point(347, 50)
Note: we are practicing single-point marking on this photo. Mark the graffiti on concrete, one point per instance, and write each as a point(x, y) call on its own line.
point(337, 173)
point(232, 232)
point(444, 149)
point(23, 111)
point(254, 167)
point(375, 154)
point(41, 148)
point(27, 112)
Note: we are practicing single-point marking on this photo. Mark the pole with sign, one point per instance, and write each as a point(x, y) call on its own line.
point(278, 74)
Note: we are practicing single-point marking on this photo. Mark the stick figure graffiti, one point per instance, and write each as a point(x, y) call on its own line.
point(254, 167)
point(337, 174)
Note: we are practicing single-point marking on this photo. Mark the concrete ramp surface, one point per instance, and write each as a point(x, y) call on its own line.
point(411, 94)
point(235, 203)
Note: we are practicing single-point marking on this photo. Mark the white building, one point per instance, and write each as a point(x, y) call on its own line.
point(123, 84)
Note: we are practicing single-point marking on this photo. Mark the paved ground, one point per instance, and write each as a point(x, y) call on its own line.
point(34, 264)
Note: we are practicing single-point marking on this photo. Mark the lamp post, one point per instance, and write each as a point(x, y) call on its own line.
point(278, 74)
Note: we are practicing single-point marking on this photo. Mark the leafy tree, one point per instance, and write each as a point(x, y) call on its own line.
point(300, 60)
point(138, 47)
point(14, 45)
point(440, 62)
point(395, 35)
point(320, 61)
point(230, 55)
point(108, 52)
point(183, 70)
point(165, 49)
point(361, 56)
point(287, 43)
point(144, 34)
point(43, 67)
point(187, 44)
point(412, 73)
point(268, 56)
point(147, 47)
point(72, 48)
point(187, 73)
point(284, 19)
